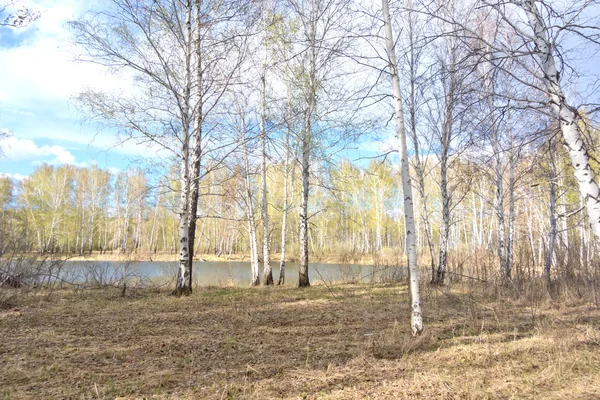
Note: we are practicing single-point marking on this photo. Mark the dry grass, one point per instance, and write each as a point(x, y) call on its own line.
point(344, 342)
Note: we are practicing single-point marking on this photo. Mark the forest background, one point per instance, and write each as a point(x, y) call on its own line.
point(493, 185)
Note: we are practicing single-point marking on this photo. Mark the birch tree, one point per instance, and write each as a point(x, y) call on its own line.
point(170, 47)
point(416, 315)
point(325, 78)
point(544, 25)
point(414, 55)
point(286, 200)
point(565, 113)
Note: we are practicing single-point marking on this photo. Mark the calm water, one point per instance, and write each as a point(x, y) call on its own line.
point(233, 273)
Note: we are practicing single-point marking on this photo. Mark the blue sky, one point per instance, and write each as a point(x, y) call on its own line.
point(37, 82)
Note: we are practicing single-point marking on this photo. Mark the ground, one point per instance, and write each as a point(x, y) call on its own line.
point(324, 342)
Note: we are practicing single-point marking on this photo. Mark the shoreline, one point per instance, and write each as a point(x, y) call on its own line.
point(368, 259)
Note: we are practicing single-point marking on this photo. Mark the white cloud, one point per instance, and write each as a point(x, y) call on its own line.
point(42, 66)
point(386, 145)
point(25, 149)
point(17, 177)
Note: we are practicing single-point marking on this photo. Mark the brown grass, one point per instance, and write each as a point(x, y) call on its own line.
point(342, 342)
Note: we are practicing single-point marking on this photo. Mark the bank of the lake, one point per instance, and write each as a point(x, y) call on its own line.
point(383, 258)
point(221, 273)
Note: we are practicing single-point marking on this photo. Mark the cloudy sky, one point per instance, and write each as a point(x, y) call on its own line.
point(39, 78)
point(37, 81)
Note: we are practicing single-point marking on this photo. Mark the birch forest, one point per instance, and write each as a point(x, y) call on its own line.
point(454, 143)
point(263, 108)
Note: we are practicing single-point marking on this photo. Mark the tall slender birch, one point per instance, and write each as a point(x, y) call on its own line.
point(568, 118)
point(411, 250)
point(552, 231)
point(184, 275)
point(155, 42)
point(286, 174)
point(254, 264)
point(267, 271)
point(195, 140)
point(413, 59)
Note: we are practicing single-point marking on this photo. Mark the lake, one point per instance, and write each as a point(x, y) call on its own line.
point(234, 273)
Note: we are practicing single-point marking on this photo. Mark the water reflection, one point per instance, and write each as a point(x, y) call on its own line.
point(233, 273)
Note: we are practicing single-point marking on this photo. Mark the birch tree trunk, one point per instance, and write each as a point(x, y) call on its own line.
point(588, 187)
point(196, 142)
point(564, 226)
point(125, 235)
point(552, 230)
point(445, 143)
point(413, 60)
point(303, 279)
point(285, 198)
point(445, 228)
point(511, 213)
point(499, 201)
point(255, 280)
point(153, 229)
point(184, 276)
point(416, 315)
point(267, 272)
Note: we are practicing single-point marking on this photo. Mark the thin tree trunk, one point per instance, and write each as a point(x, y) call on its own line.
point(255, 280)
point(499, 204)
point(416, 315)
point(511, 214)
point(267, 271)
point(552, 230)
point(444, 161)
point(154, 221)
point(196, 141)
point(285, 198)
point(303, 279)
point(445, 228)
point(184, 277)
point(564, 226)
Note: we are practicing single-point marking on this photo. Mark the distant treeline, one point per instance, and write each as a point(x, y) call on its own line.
point(357, 211)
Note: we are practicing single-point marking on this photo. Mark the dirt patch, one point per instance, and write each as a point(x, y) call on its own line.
point(340, 342)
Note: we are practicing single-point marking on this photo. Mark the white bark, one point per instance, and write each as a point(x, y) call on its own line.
point(184, 276)
point(195, 139)
point(564, 226)
point(416, 315)
point(267, 272)
point(255, 280)
point(499, 199)
point(310, 106)
point(588, 187)
point(303, 280)
point(552, 230)
point(511, 213)
point(413, 60)
point(154, 221)
point(286, 173)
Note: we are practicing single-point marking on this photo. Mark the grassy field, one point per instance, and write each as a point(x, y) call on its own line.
point(339, 342)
